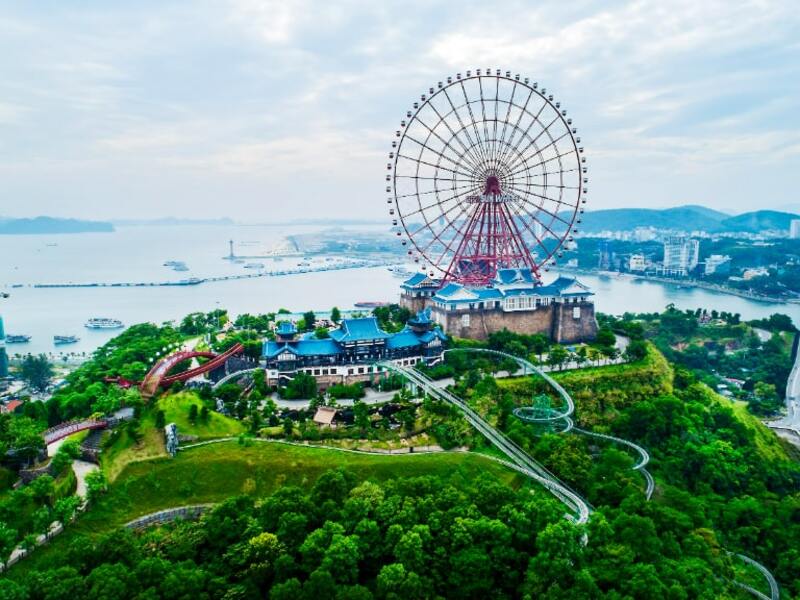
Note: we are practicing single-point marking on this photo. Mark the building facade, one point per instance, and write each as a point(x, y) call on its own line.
point(681, 255)
point(350, 353)
point(794, 229)
point(562, 310)
point(637, 262)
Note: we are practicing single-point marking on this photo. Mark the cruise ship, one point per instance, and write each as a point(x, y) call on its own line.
point(103, 323)
point(17, 339)
point(65, 339)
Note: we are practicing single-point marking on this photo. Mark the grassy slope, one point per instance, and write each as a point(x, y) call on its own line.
point(176, 410)
point(599, 391)
point(217, 471)
point(124, 451)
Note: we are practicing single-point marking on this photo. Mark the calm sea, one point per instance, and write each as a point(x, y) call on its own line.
point(138, 253)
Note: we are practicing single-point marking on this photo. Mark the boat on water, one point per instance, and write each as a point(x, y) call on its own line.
point(304, 264)
point(65, 339)
point(17, 339)
point(172, 263)
point(370, 304)
point(180, 267)
point(103, 323)
point(254, 265)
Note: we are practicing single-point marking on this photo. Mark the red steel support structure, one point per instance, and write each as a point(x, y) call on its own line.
point(158, 375)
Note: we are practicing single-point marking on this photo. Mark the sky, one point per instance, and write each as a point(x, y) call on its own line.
point(266, 110)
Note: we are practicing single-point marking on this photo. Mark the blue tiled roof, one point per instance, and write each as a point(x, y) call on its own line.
point(415, 279)
point(507, 276)
point(359, 329)
point(404, 339)
point(409, 338)
point(423, 317)
point(286, 328)
point(449, 290)
point(303, 348)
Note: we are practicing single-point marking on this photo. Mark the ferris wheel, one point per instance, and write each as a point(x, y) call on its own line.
point(487, 172)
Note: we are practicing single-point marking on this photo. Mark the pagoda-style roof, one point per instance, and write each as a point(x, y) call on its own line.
point(420, 280)
point(285, 328)
point(354, 330)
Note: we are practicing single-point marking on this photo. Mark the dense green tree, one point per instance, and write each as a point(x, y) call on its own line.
point(36, 371)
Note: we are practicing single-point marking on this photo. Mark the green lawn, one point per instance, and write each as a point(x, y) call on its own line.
point(214, 472)
point(176, 410)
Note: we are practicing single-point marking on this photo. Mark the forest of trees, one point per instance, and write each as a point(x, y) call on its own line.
point(404, 539)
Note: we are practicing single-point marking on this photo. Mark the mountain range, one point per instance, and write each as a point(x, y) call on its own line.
point(685, 218)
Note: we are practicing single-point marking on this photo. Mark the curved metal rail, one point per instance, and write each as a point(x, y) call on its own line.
point(774, 589)
point(232, 376)
point(650, 484)
point(523, 462)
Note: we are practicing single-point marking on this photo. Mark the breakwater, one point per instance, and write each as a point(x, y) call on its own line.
point(199, 280)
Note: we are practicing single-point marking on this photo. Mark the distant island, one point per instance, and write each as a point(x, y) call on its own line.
point(166, 221)
point(52, 225)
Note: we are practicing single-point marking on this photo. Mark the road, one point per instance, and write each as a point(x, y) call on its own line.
point(789, 426)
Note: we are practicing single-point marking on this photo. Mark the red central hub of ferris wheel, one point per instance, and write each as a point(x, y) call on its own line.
point(491, 239)
point(487, 173)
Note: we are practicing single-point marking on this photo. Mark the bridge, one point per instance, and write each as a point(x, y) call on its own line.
point(159, 375)
point(62, 430)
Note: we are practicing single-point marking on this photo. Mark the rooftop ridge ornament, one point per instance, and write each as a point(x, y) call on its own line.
point(486, 174)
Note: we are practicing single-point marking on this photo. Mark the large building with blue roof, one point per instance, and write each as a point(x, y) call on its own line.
point(562, 309)
point(349, 354)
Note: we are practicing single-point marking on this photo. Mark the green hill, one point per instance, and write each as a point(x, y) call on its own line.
point(684, 218)
point(759, 221)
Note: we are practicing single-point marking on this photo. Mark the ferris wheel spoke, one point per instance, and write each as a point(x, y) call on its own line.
point(480, 148)
point(464, 128)
point(448, 246)
point(510, 150)
point(418, 160)
point(434, 191)
point(505, 124)
point(495, 148)
point(444, 213)
point(428, 148)
point(534, 120)
point(473, 160)
point(544, 162)
point(532, 142)
point(541, 208)
point(485, 128)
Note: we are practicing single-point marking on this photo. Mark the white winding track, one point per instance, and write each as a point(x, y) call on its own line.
point(570, 409)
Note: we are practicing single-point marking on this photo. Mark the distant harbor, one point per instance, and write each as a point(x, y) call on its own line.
point(259, 272)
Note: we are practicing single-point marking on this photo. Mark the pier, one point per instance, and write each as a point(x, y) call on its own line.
point(362, 264)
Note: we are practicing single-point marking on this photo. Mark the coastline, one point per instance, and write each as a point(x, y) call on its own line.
point(694, 283)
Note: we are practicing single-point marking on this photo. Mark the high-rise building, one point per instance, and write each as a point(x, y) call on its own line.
point(681, 255)
point(794, 229)
point(606, 256)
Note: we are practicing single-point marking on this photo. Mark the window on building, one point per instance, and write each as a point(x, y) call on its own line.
point(576, 312)
point(316, 371)
point(349, 371)
point(465, 320)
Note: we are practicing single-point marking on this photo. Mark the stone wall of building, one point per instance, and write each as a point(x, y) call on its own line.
point(557, 321)
point(413, 303)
